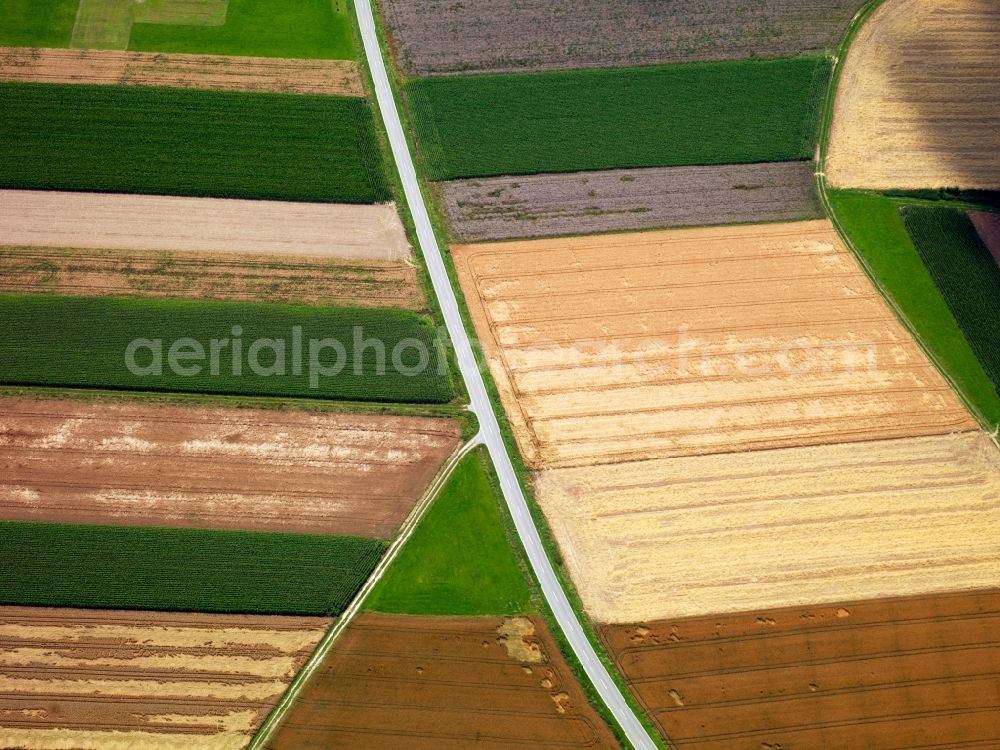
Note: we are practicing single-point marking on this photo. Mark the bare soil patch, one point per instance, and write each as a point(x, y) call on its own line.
point(743, 531)
point(892, 674)
point(442, 682)
point(636, 346)
point(327, 77)
point(441, 36)
point(138, 465)
point(988, 227)
point(251, 278)
point(111, 679)
point(918, 104)
point(207, 225)
point(622, 199)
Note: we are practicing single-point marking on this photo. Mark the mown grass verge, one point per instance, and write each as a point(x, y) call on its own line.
point(85, 342)
point(705, 113)
point(192, 143)
point(46, 564)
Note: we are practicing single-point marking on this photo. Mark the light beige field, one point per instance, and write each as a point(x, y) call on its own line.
point(113, 680)
point(110, 221)
point(918, 105)
point(638, 346)
point(327, 77)
point(738, 532)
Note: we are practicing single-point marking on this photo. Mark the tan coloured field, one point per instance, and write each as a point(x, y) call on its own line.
point(637, 346)
point(205, 225)
point(141, 465)
point(250, 278)
point(747, 531)
point(919, 102)
point(327, 77)
point(112, 680)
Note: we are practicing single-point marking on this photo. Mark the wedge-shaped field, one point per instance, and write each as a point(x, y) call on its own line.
point(918, 104)
point(988, 227)
point(618, 199)
point(917, 673)
point(206, 225)
point(635, 346)
point(109, 679)
point(215, 468)
point(743, 531)
point(331, 77)
point(433, 682)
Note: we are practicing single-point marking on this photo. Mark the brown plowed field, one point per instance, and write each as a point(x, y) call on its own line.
point(988, 226)
point(327, 77)
point(919, 673)
point(737, 532)
point(252, 278)
point(637, 346)
point(919, 103)
point(442, 683)
point(110, 680)
point(139, 465)
point(38, 218)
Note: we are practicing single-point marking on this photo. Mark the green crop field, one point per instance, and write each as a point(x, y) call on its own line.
point(37, 23)
point(966, 274)
point(874, 224)
point(459, 560)
point(84, 342)
point(121, 567)
point(194, 143)
point(706, 113)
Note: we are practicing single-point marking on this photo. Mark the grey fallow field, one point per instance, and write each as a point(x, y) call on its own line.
point(629, 199)
point(442, 36)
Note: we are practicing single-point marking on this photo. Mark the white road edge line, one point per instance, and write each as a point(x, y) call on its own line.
point(480, 402)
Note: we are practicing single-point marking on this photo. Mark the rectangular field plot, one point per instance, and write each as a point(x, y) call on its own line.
point(197, 143)
point(427, 683)
point(215, 468)
point(636, 346)
point(171, 681)
point(498, 208)
point(895, 674)
point(743, 531)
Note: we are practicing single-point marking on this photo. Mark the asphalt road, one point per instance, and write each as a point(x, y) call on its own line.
point(480, 402)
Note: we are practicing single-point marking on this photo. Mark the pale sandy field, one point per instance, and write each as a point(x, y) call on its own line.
point(637, 346)
point(919, 102)
point(151, 222)
point(327, 77)
point(739, 532)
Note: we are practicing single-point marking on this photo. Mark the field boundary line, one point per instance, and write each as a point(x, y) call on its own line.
point(326, 644)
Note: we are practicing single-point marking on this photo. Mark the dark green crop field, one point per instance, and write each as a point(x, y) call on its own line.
point(120, 567)
point(567, 121)
point(193, 143)
point(85, 342)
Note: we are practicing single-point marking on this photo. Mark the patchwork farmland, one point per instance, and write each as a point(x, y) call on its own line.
point(113, 679)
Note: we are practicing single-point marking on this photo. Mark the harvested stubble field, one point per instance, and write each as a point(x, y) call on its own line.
point(247, 469)
point(742, 531)
point(427, 683)
point(988, 227)
point(918, 104)
point(635, 346)
point(440, 36)
point(895, 674)
point(621, 199)
point(102, 221)
point(111, 680)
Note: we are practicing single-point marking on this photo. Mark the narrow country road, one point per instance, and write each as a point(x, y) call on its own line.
point(551, 589)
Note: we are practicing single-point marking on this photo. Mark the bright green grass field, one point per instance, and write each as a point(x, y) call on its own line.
point(37, 23)
point(874, 224)
point(83, 342)
point(459, 560)
point(193, 143)
point(706, 113)
point(47, 564)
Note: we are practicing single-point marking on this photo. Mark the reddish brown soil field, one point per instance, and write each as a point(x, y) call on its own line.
point(988, 226)
point(892, 674)
point(437, 683)
point(141, 465)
